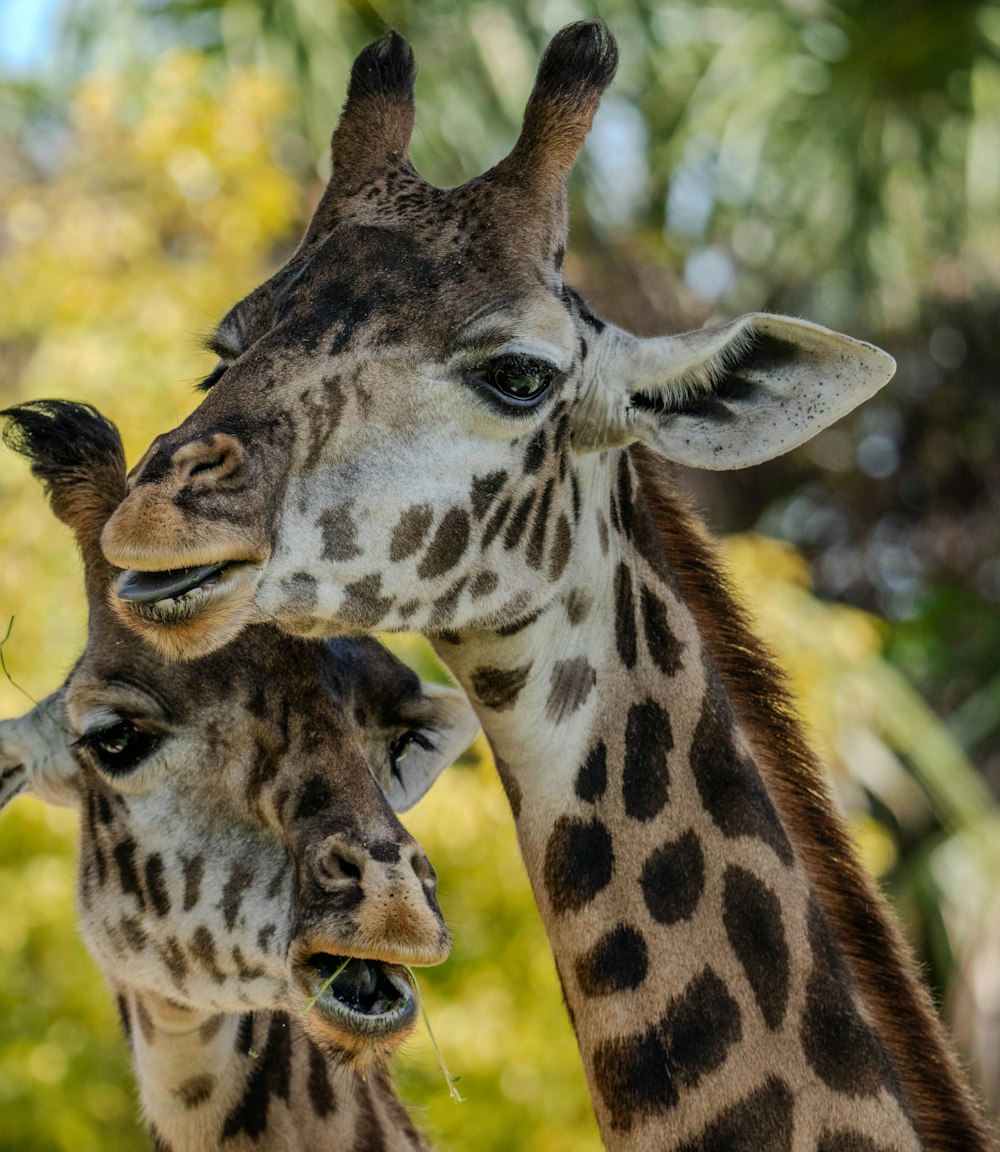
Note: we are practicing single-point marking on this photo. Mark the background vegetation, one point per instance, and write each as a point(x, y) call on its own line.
point(835, 160)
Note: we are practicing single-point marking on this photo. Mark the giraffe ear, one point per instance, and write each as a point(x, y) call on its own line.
point(35, 756)
point(449, 727)
point(740, 393)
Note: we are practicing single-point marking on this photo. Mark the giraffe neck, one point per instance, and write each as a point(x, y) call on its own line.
point(257, 1081)
point(710, 992)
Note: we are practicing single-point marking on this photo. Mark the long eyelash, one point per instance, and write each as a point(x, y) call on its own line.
point(212, 378)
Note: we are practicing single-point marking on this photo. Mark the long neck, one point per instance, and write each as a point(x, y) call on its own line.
point(256, 1082)
point(715, 999)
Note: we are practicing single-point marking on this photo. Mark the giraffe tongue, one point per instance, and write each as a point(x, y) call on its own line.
point(148, 587)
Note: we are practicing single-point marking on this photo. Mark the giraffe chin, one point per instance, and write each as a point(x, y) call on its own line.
point(360, 1008)
point(195, 621)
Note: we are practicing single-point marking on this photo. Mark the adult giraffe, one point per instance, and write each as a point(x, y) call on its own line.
point(416, 425)
point(236, 848)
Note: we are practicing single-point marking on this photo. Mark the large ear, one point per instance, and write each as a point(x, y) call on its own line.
point(734, 395)
point(449, 729)
point(35, 756)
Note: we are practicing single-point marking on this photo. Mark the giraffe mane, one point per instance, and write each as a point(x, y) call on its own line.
point(880, 960)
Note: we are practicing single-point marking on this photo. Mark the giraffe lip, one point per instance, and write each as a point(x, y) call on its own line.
point(365, 996)
point(140, 587)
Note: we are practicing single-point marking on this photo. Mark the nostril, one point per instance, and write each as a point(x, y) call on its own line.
point(422, 867)
point(338, 864)
point(216, 458)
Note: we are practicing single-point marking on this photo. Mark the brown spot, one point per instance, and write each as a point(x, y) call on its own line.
point(577, 603)
point(173, 956)
point(535, 551)
point(484, 491)
point(195, 1090)
point(499, 688)
point(447, 545)
point(484, 584)
point(340, 533)
point(210, 1029)
point(409, 533)
point(145, 1021)
point(510, 786)
point(572, 682)
point(203, 950)
point(364, 603)
point(562, 545)
point(518, 522)
point(194, 870)
point(233, 892)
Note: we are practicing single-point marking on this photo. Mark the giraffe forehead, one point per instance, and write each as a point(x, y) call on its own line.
point(395, 287)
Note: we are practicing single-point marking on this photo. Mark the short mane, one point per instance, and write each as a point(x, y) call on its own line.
point(945, 1113)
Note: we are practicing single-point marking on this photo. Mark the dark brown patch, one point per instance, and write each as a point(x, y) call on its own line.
point(320, 1092)
point(128, 875)
point(664, 648)
point(450, 539)
point(156, 889)
point(762, 1122)
point(203, 950)
point(195, 1090)
point(484, 584)
point(751, 914)
point(840, 1047)
point(673, 879)
point(499, 688)
point(535, 551)
point(572, 682)
point(577, 603)
point(729, 784)
point(364, 603)
point(510, 786)
point(340, 533)
point(485, 489)
point(592, 777)
point(496, 522)
point(534, 454)
point(562, 545)
point(579, 860)
point(625, 637)
point(643, 1075)
point(409, 533)
point(518, 522)
point(645, 776)
point(210, 1029)
point(844, 1140)
point(616, 963)
point(270, 1075)
point(173, 956)
point(233, 892)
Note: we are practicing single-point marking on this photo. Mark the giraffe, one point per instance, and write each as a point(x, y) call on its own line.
point(416, 424)
point(237, 849)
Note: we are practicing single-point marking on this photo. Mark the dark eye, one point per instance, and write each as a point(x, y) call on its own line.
point(119, 748)
point(519, 380)
point(401, 745)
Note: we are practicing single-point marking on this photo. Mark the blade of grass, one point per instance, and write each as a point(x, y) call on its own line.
point(24, 692)
point(326, 984)
point(453, 1092)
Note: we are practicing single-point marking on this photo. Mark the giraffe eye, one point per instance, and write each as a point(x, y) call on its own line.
point(119, 748)
point(518, 380)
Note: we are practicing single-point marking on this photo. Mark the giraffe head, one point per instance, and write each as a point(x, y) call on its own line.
point(407, 418)
point(237, 844)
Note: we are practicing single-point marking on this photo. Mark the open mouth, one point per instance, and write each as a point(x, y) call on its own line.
point(176, 593)
point(366, 997)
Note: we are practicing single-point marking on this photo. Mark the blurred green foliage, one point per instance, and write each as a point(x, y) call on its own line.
point(136, 208)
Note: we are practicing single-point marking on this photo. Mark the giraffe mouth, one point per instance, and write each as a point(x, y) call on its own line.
point(175, 593)
point(363, 996)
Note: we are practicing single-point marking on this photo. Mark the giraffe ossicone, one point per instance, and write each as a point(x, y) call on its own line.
point(417, 425)
point(244, 885)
